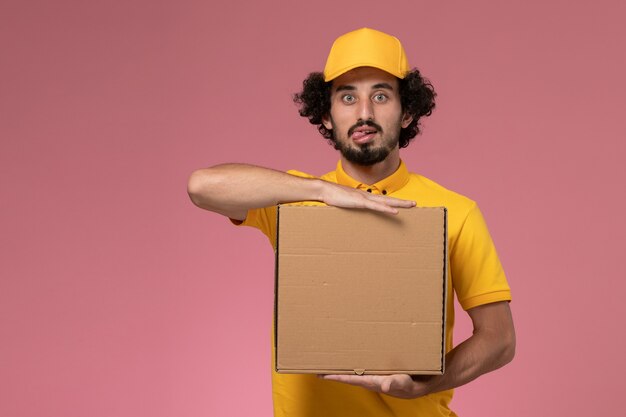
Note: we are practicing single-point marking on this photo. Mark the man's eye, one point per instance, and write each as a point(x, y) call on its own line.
point(380, 98)
point(348, 98)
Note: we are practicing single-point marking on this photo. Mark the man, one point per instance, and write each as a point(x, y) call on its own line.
point(368, 104)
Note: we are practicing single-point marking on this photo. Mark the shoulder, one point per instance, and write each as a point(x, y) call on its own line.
point(428, 193)
point(431, 193)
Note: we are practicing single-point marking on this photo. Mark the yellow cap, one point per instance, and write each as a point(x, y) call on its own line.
point(366, 48)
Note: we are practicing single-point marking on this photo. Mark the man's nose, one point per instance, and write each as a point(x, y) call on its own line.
point(366, 110)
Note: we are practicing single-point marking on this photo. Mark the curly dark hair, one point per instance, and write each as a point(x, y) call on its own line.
point(417, 97)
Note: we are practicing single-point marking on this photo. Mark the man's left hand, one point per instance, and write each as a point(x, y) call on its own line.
point(399, 385)
point(491, 346)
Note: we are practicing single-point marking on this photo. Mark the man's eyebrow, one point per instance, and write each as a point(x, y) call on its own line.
point(346, 88)
point(382, 85)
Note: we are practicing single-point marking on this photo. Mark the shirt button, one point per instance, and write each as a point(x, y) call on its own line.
point(369, 190)
point(384, 192)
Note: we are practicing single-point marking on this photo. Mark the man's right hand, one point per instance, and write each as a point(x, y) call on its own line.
point(342, 196)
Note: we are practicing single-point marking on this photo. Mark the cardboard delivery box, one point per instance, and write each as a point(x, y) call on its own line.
point(359, 291)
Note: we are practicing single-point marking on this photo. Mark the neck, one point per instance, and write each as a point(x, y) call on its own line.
point(373, 173)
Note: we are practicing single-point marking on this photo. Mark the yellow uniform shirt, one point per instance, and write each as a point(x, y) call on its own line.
point(476, 276)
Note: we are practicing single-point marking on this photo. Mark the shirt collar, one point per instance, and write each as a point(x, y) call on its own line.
point(389, 185)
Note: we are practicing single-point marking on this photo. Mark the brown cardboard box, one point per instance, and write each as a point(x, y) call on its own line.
point(359, 291)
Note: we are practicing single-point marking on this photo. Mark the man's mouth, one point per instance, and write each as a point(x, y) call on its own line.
point(361, 136)
point(363, 132)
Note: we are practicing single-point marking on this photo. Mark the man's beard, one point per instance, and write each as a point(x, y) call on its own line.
point(366, 154)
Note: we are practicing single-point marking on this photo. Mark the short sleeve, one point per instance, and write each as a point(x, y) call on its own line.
point(263, 219)
point(477, 274)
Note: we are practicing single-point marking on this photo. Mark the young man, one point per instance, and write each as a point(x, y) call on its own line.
point(368, 103)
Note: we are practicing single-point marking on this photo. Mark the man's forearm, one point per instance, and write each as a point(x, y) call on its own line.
point(233, 189)
point(486, 350)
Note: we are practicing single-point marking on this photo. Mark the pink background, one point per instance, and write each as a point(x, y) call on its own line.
point(119, 298)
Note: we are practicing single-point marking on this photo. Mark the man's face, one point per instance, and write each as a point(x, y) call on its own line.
point(366, 115)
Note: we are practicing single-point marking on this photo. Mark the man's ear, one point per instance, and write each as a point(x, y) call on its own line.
point(326, 122)
point(406, 120)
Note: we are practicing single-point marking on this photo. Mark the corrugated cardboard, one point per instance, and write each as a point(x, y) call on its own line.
point(359, 291)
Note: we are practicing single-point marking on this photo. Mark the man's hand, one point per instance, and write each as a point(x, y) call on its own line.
point(346, 197)
point(491, 346)
point(399, 385)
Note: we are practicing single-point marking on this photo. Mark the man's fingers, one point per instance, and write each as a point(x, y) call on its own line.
point(347, 379)
point(387, 204)
point(399, 385)
point(385, 387)
point(339, 378)
point(392, 201)
point(374, 205)
point(371, 382)
point(342, 196)
point(366, 381)
point(403, 203)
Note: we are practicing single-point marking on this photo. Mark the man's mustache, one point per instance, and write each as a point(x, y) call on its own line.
point(369, 123)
